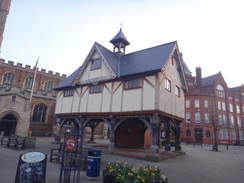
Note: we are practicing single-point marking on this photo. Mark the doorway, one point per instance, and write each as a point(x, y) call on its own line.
point(198, 135)
point(8, 124)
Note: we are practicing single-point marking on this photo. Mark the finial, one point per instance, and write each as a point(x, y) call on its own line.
point(120, 26)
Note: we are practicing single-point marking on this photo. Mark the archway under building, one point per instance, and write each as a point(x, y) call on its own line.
point(8, 124)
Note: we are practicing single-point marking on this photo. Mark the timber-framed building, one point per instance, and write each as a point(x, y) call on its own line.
point(138, 95)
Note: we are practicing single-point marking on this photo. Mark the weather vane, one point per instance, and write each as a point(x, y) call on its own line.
point(120, 25)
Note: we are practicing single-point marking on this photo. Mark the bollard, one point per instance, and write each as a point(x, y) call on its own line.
point(227, 146)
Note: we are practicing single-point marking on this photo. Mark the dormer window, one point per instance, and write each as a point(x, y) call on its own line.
point(96, 64)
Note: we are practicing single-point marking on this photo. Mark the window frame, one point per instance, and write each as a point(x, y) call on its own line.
point(96, 64)
point(133, 84)
point(39, 114)
point(167, 84)
point(8, 78)
point(29, 81)
point(96, 88)
point(69, 92)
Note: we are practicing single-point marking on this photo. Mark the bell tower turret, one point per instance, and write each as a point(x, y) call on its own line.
point(119, 42)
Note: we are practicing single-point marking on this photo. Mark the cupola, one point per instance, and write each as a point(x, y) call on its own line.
point(119, 42)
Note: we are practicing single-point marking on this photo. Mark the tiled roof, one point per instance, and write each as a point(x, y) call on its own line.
point(236, 89)
point(120, 37)
point(209, 81)
point(147, 60)
point(68, 81)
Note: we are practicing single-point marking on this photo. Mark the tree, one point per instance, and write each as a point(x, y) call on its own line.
point(214, 120)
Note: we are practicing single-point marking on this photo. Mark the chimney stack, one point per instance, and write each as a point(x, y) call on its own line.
point(198, 77)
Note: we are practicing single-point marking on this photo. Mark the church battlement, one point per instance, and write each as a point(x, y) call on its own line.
point(28, 68)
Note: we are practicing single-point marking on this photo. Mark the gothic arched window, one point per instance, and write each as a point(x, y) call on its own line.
point(48, 86)
point(29, 82)
point(39, 114)
point(220, 91)
point(8, 78)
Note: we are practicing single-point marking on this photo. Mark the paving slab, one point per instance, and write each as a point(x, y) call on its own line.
point(198, 165)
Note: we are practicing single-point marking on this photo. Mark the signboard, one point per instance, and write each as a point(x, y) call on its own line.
point(70, 143)
point(31, 168)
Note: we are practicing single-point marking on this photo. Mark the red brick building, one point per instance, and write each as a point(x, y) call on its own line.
point(19, 114)
point(211, 96)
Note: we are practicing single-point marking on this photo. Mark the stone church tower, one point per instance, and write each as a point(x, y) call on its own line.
point(4, 10)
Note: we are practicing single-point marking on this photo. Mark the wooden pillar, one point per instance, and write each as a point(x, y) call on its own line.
point(112, 134)
point(177, 136)
point(154, 129)
point(167, 134)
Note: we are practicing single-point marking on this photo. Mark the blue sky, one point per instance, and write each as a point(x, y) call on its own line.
point(210, 33)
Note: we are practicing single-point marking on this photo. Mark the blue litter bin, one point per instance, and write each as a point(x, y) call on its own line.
point(93, 164)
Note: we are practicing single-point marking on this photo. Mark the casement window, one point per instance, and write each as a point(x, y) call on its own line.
point(220, 119)
point(206, 118)
point(177, 91)
point(233, 132)
point(219, 105)
point(8, 78)
point(188, 133)
point(220, 91)
point(223, 134)
point(197, 104)
point(231, 107)
point(223, 106)
point(39, 114)
point(208, 134)
point(188, 117)
point(187, 103)
point(96, 88)
point(240, 135)
point(238, 109)
point(48, 86)
point(197, 117)
point(205, 103)
point(135, 83)
point(239, 121)
point(167, 84)
point(29, 82)
point(69, 92)
point(224, 119)
point(96, 64)
point(232, 121)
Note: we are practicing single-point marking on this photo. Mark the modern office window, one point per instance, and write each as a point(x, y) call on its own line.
point(197, 104)
point(135, 83)
point(220, 91)
point(197, 117)
point(8, 78)
point(206, 103)
point(96, 64)
point(188, 104)
point(188, 117)
point(96, 88)
point(69, 92)
point(167, 84)
point(48, 86)
point(177, 91)
point(29, 82)
point(39, 114)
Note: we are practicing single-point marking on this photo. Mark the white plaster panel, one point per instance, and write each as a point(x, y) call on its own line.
point(117, 98)
point(106, 100)
point(58, 105)
point(148, 97)
point(76, 101)
point(94, 102)
point(67, 104)
point(84, 99)
point(132, 100)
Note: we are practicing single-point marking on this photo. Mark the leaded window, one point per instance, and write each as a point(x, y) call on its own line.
point(29, 82)
point(135, 83)
point(48, 86)
point(8, 78)
point(39, 114)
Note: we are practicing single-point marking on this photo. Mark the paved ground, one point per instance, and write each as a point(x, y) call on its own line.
point(198, 165)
